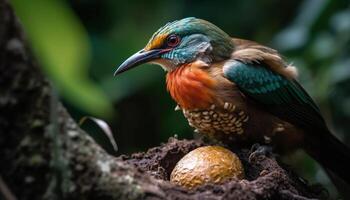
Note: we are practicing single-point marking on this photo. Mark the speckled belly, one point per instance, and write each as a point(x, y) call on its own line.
point(218, 121)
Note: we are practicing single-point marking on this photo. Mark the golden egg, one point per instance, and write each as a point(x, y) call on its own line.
point(209, 164)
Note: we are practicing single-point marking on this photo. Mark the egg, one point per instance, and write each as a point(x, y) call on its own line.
point(208, 164)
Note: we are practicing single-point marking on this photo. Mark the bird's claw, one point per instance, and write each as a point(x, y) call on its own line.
point(260, 150)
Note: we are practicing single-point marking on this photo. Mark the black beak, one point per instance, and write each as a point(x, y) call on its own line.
point(138, 59)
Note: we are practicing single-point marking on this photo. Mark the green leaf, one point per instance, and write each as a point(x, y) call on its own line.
point(62, 47)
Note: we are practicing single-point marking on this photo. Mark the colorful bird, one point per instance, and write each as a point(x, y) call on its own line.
point(235, 90)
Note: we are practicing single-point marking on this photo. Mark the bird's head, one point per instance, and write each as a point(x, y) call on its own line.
point(182, 42)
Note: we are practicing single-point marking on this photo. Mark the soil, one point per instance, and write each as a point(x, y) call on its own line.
point(265, 177)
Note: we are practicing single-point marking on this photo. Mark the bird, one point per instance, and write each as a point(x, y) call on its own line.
point(237, 91)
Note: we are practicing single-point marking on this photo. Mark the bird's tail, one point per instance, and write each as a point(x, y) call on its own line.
point(334, 156)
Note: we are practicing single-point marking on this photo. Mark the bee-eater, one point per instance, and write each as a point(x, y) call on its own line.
point(235, 90)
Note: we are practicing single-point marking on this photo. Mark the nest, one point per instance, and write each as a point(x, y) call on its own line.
point(265, 177)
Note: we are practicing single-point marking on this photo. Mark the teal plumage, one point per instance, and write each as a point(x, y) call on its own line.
point(280, 93)
point(254, 79)
point(191, 25)
point(191, 30)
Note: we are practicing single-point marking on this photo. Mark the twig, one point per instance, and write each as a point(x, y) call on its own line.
point(5, 191)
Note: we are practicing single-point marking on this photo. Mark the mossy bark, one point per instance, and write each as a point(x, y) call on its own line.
point(45, 155)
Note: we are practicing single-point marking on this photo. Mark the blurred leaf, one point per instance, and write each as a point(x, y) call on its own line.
point(340, 71)
point(292, 37)
point(296, 35)
point(61, 45)
point(340, 21)
point(323, 46)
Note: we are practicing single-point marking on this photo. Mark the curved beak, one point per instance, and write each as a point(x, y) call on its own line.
point(138, 58)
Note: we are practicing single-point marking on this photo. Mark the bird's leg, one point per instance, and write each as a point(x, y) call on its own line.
point(260, 150)
point(198, 136)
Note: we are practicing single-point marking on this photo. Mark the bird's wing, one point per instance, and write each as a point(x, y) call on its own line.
point(281, 96)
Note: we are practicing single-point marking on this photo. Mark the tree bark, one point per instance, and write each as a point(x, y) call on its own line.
point(45, 155)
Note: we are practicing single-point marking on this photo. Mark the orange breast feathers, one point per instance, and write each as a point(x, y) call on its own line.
point(191, 87)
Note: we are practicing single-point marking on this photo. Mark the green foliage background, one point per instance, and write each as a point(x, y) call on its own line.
point(79, 44)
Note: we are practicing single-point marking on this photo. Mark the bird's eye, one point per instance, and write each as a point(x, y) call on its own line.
point(173, 40)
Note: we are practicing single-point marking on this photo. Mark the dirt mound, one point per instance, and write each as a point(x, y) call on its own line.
point(265, 178)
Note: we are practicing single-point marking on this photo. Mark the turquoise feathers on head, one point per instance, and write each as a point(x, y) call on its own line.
point(192, 25)
point(192, 47)
point(198, 39)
